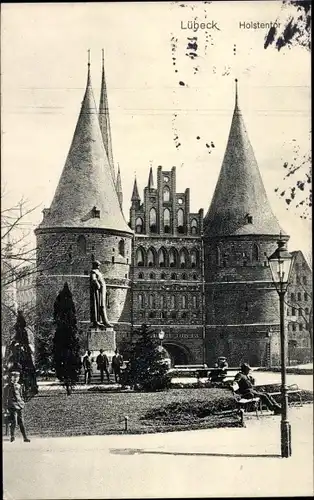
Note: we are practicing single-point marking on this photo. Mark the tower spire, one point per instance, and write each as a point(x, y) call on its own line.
point(119, 187)
point(240, 205)
point(135, 195)
point(150, 184)
point(104, 119)
point(86, 195)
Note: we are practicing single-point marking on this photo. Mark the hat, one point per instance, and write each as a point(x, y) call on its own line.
point(245, 366)
point(101, 350)
point(14, 372)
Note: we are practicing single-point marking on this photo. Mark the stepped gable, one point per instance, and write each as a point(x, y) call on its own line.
point(86, 195)
point(239, 205)
point(104, 120)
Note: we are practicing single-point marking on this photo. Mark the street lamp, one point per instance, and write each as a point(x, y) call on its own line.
point(280, 265)
point(161, 336)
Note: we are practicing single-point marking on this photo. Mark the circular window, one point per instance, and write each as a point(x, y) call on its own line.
point(166, 179)
point(180, 201)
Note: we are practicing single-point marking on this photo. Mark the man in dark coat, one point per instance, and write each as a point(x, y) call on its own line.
point(87, 365)
point(246, 389)
point(117, 362)
point(102, 365)
point(14, 405)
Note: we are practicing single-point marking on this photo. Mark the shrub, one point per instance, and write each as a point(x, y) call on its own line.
point(146, 369)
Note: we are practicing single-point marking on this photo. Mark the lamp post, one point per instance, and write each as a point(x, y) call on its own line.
point(161, 336)
point(280, 265)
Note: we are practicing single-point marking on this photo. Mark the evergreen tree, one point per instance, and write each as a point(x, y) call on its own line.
point(66, 359)
point(20, 357)
point(146, 368)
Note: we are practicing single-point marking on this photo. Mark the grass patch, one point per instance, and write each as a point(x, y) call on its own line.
point(103, 413)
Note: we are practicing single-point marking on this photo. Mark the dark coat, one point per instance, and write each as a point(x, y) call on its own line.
point(102, 361)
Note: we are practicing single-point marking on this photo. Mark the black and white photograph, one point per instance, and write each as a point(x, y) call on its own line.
point(156, 255)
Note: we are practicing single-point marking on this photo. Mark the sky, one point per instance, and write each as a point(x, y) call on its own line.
point(165, 104)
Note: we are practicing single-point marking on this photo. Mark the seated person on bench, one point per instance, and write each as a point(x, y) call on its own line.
point(220, 371)
point(246, 389)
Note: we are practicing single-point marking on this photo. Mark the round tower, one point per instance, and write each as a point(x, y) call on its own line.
point(240, 231)
point(84, 223)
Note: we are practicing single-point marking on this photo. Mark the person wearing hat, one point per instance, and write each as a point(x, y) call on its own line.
point(14, 404)
point(246, 389)
point(102, 365)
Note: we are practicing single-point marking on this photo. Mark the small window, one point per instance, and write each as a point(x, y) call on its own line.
point(255, 253)
point(150, 258)
point(293, 311)
point(184, 315)
point(299, 296)
point(300, 311)
point(294, 327)
point(249, 219)
point(167, 220)
point(195, 276)
point(172, 301)
point(288, 311)
point(194, 227)
point(300, 327)
point(306, 310)
point(139, 225)
point(180, 220)
point(152, 314)
point(166, 194)
point(173, 314)
point(140, 301)
point(194, 301)
point(112, 260)
point(140, 276)
point(152, 302)
point(81, 243)
point(153, 220)
point(162, 276)
point(95, 213)
point(184, 276)
point(298, 280)
point(306, 296)
point(163, 314)
point(122, 248)
point(292, 297)
point(304, 280)
point(152, 276)
point(162, 302)
point(173, 276)
point(139, 257)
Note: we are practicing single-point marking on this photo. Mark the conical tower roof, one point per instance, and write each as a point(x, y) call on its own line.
point(239, 205)
point(135, 195)
point(104, 119)
point(86, 195)
point(119, 187)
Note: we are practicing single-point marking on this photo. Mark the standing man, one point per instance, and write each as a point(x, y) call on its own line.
point(14, 405)
point(117, 362)
point(87, 365)
point(103, 365)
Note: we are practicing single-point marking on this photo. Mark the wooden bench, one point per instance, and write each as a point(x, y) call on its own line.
point(291, 389)
point(245, 404)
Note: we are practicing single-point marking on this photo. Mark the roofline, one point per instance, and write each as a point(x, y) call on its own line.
point(62, 229)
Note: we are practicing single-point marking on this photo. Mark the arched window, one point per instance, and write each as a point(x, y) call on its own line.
point(140, 257)
point(167, 220)
point(306, 310)
point(180, 220)
point(162, 257)
point(255, 253)
point(300, 311)
point(194, 258)
point(183, 302)
point(183, 258)
point(152, 302)
point(163, 276)
point(162, 302)
point(151, 258)
point(184, 276)
point(194, 301)
point(81, 243)
point(173, 276)
point(122, 248)
point(140, 276)
point(152, 276)
point(218, 256)
point(194, 227)
point(173, 258)
point(153, 220)
point(172, 301)
point(166, 194)
point(299, 296)
point(306, 297)
point(292, 297)
point(140, 301)
point(139, 225)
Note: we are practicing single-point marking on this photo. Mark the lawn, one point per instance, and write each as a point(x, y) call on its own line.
point(97, 413)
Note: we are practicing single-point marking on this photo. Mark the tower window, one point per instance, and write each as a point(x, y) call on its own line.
point(153, 220)
point(150, 258)
point(180, 220)
point(167, 220)
point(299, 296)
point(305, 297)
point(96, 213)
point(166, 194)
point(173, 276)
point(172, 258)
point(255, 253)
point(139, 257)
point(183, 302)
point(249, 219)
point(139, 225)
point(172, 302)
point(194, 227)
point(162, 258)
point(184, 276)
point(140, 276)
point(152, 276)
point(194, 258)
point(163, 276)
point(122, 248)
point(112, 260)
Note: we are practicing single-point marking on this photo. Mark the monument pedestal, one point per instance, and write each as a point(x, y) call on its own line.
point(101, 338)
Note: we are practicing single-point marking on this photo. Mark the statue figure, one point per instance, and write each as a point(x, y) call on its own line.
point(98, 313)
